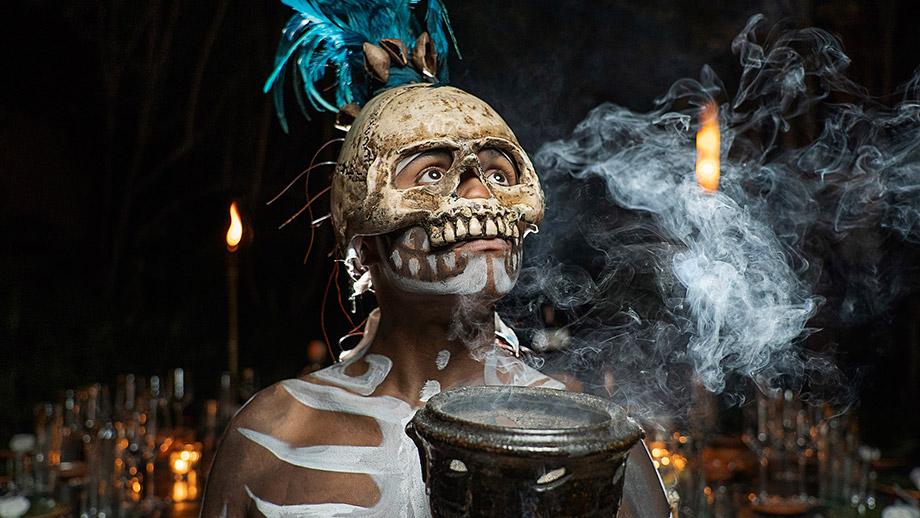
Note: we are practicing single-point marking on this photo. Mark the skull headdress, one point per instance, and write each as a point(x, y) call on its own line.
point(406, 110)
point(414, 118)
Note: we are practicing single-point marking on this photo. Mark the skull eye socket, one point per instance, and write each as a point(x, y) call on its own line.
point(499, 168)
point(498, 177)
point(429, 176)
point(426, 168)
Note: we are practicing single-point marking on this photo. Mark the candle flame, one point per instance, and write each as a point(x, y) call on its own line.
point(707, 149)
point(235, 232)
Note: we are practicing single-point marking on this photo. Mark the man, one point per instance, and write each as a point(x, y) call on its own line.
point(437, 217)
point(432, 198)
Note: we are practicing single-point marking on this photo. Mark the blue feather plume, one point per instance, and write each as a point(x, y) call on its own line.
point(326, 34)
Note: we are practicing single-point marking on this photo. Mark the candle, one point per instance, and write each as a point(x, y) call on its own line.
point(234, 238)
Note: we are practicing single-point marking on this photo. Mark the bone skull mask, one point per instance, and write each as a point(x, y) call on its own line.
point(404, 121)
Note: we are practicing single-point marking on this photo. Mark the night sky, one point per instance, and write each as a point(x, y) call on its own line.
point(126, 128)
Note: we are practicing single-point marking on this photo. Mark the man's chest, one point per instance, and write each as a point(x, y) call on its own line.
point(354, 452)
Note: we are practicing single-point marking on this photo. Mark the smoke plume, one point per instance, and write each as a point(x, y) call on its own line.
point(663, 285)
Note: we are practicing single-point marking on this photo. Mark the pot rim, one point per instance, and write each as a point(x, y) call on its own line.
point(615, 435)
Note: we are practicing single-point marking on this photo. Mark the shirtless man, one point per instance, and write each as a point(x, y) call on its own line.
point(432, 197)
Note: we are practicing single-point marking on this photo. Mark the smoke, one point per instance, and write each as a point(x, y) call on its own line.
point(665, 286)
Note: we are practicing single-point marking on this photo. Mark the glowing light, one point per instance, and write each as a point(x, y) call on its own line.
point(193, 485)
point(707, 149)
point(167, 444)
point(679, 462)
point(671, 463)
point(183, 461)
point(235, 232)
point(180, 466)
point(180, 492)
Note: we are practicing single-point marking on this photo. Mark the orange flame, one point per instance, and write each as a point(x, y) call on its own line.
point(235, 232)
point(707, 149)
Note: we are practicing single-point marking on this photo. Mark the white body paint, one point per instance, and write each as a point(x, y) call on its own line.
point(441, 359)
point(394, 465)
point(507, 334)
point(378, 366)
point(498, 365)
point(429, 390)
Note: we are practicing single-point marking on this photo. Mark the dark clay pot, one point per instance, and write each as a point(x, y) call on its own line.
point(516, 451)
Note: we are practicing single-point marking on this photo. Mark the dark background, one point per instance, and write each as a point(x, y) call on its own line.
point(127, 127)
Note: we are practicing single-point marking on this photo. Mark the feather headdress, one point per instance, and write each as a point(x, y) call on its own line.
point(369, 45)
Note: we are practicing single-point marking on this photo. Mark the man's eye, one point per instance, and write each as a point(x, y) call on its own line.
point(498, 177)
point(430, 176)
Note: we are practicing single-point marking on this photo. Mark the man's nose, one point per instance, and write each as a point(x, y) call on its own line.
point(472, 187)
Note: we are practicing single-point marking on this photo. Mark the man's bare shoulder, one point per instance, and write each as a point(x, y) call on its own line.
point(273, 410)
point(263, 439)
point(276, 413)
point(240, 462)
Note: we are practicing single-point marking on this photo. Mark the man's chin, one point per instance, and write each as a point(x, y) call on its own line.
point(485, 267)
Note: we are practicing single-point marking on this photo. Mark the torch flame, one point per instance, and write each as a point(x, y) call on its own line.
point(235, 232)
point(707, 149)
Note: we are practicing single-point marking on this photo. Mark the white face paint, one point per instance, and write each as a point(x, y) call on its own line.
point(503, 280)
point(411, 265)
point(472, 279)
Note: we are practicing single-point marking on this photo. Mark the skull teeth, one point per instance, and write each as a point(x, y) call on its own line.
point(490, 228)
point(448, 233)
point(436, 237)
point(466, 223)
point(461, 229)
point(475, 227)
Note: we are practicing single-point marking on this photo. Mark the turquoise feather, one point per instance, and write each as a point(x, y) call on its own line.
point(331, 33)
